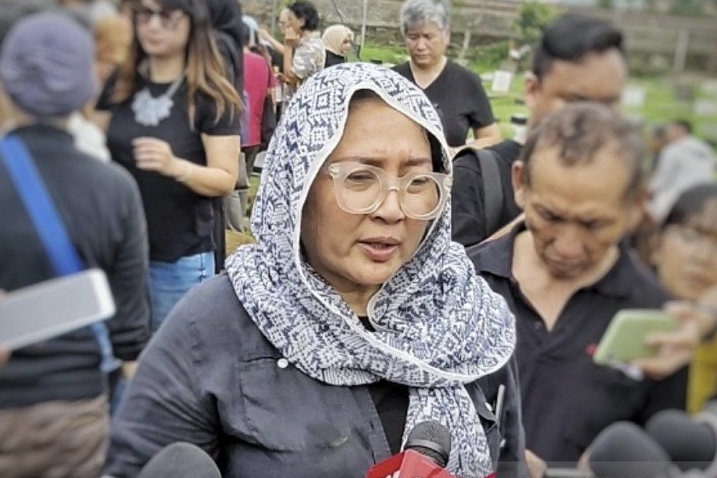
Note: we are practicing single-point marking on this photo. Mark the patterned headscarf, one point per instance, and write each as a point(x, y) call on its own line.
point(438, 324)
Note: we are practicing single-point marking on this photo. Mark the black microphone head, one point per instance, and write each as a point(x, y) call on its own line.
point(690, 443)
point(432, 439)
point(624, 450)
point(180, 460)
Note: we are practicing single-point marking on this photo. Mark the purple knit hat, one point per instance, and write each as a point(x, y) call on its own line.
point(47, 65)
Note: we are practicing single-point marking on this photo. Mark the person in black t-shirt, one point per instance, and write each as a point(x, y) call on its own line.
point(456, 92)
point(174, 125)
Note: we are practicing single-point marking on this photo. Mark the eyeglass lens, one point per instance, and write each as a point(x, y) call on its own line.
point(363, 190)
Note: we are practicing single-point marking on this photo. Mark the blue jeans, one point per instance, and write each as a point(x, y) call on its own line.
point(169, 281)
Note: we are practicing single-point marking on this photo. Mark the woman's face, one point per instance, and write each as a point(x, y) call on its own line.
point(346, 45)
point(356, 253)
point(162, 32)
point(686, 256)
point(426, 43)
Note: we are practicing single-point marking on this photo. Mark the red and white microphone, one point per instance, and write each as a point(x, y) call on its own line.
point(425, 455)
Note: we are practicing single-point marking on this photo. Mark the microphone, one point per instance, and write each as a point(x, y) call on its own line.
point(180, 460)
point(624, 450)
point(425, 455)
point(690, 442)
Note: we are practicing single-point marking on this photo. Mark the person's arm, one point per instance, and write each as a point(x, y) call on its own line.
point(291, 41)
point(217, 178)
point(485, 136)
point(276, 45)
point(130, 328)
point(4, 356)
point(485, 129)
point(164, 402)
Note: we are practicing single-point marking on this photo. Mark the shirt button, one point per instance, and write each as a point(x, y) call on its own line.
point(538, 325)
point(282, 363)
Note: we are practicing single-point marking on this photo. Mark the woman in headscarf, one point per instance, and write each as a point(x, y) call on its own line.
point(353, 318)
point(338, 41)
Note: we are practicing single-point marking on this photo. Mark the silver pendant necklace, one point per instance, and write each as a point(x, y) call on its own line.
point(150, 111)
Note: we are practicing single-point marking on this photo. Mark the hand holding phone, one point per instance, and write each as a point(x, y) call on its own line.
point(624, 339)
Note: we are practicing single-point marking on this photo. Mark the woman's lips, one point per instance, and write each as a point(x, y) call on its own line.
point(379, 250)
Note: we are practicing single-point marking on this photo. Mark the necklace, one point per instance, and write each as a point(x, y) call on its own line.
point(150, 111)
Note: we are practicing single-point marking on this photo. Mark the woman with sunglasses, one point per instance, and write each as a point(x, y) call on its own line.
point(174, 125)
point(352, 319)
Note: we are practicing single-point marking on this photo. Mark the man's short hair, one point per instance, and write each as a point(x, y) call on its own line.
point(579, 130)
point(571, 37)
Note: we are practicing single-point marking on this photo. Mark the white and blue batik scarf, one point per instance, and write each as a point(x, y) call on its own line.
point(438, 324)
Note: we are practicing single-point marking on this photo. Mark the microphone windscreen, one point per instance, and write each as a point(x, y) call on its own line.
point(432, 439)
point(180, 460)
point(688, 443)
point(624, 450)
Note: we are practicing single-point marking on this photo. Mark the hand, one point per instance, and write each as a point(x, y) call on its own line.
point(676, 348)
point(264, 34)
point(536, 466)
point(152, 154)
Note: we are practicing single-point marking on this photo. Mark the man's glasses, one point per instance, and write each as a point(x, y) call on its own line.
point(169, 19)
point(361, 189)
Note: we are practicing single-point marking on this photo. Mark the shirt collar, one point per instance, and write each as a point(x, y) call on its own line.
point(618, 282)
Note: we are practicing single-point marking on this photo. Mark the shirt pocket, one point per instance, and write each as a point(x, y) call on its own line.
point(288, 411)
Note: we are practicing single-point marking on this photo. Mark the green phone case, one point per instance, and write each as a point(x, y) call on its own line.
point(624, 339)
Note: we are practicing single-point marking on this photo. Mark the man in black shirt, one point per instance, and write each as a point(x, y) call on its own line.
point(578, 58)
point(564, 273)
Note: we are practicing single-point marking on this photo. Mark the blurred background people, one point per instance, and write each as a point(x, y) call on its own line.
point(304, 53)
point(338, 41)
point(685, 161)
point(455, 91)
point(172, 120)
point(685, 260)
point(54, 413)
point(577, 58)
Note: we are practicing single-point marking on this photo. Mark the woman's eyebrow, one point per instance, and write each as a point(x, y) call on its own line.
point(376, 161)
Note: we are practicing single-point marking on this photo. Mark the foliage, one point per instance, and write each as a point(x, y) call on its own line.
point(533, 17)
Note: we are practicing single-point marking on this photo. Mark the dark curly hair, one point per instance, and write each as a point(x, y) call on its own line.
point(306, 11)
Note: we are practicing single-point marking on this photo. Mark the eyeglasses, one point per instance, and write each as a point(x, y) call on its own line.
point(169, 19)
point(361, 189)
point(693, 235)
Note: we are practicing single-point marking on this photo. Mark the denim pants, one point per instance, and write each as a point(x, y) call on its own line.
point(169, 281)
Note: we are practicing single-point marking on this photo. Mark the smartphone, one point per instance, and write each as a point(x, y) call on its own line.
point(624, 339)
point(54, 307)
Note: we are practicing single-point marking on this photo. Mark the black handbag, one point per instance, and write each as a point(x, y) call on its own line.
point(268, 122)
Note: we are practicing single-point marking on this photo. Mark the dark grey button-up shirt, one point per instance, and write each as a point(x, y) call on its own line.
point(209, 377)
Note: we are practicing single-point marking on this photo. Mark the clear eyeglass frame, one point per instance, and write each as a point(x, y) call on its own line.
point(339, 171)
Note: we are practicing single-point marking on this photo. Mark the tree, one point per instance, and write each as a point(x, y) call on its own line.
point(533, 17)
